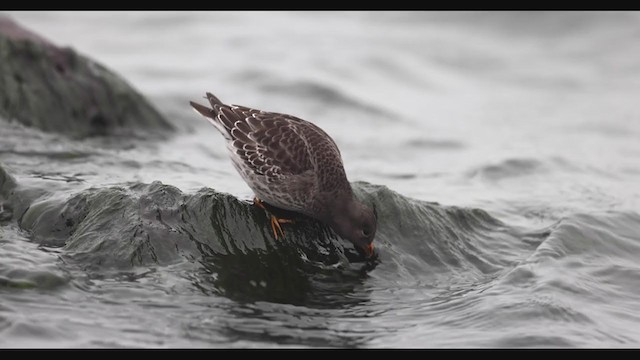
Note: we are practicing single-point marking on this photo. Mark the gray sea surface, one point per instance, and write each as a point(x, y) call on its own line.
point(501, 149)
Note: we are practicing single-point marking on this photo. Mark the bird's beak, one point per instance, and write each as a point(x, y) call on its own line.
point(368, 250)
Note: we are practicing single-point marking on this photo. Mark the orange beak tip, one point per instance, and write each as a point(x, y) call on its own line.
point(370, 250)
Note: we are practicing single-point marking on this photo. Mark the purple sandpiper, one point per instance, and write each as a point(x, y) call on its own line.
point(292, 164)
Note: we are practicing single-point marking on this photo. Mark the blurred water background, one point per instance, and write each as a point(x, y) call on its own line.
point(523, 128)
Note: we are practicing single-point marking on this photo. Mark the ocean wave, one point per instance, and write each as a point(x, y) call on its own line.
point(24, 266)
point(509, 168)
point(324, 94)
point(460, 258)
point(123, 227)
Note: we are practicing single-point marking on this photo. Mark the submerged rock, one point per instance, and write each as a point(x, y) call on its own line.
point(117, 229)
point(56, 89)
point(143, 224)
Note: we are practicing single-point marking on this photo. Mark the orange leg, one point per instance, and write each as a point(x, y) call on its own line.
point(257, 202)
point(275, 222)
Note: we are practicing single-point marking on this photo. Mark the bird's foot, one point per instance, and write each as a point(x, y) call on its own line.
point(275, 225)
point(275, 221)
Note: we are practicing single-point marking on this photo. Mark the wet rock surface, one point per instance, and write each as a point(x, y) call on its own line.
point(58, 90)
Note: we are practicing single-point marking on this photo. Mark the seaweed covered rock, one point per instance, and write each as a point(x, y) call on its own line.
point(56, 89)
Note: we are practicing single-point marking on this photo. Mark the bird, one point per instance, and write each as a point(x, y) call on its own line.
point(292, 164)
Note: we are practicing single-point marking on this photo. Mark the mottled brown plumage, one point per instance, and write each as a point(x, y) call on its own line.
point(292, 164)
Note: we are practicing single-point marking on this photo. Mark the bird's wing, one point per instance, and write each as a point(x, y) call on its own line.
point(268, 143)
point(272, 144)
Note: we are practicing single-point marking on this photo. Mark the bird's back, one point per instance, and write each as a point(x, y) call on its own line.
point(287, 161)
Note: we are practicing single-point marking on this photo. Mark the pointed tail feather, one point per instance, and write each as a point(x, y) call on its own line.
point(202, 110)
point(211, 116)
point(214, 100)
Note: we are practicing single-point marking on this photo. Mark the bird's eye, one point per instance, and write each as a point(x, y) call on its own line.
point(366, 231)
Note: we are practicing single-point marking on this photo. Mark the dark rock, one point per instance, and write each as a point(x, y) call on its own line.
point(56, 89)
point(7, 184)
point(144, 224)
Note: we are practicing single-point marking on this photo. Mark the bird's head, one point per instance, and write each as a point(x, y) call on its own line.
point(357, 223)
